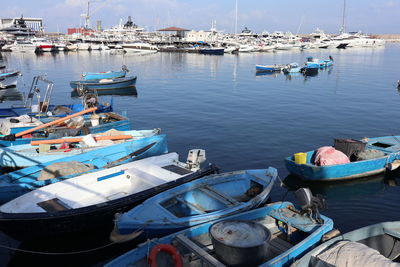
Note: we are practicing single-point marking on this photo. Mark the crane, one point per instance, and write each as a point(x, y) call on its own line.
point(87, 15)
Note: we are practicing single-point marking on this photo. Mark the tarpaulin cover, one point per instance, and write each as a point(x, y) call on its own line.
point(328, 155)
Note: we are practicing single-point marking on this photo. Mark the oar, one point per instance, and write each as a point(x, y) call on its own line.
point(131, 155)
point(11, 137)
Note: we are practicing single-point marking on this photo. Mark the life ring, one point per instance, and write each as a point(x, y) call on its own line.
point(166, 248)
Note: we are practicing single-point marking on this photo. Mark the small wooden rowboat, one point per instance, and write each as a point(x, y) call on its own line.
point(206, 199)
point(105, 84)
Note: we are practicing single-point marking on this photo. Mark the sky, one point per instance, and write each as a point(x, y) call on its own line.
point(369, 16)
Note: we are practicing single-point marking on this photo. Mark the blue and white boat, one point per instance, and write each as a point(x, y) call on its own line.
point(105, 84)
point(389, 145)
point(26, 155)
point(203, 200)
point(292, 234)
point(269, 68)
point(105, 75)
point(373, 245)
point(17, 183)
point(43, 107)
point(292, 68)
point(9, 78)
point(89, 201)
point(85, 125)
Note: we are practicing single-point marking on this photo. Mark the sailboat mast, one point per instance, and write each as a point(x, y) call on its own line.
point(343, 29)
point(236, 16)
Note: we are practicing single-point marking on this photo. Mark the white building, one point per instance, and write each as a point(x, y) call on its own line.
point(200, 36)
point(35, 24)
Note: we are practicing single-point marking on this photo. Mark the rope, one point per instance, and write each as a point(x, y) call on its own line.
point(63, 253)
point(56, 253)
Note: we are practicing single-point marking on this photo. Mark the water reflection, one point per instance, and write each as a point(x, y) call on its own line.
point(10, 94)
point(273, 74)
point(350, 189)
point(126, 91)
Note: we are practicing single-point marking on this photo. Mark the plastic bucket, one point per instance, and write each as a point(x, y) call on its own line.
point(300, 158)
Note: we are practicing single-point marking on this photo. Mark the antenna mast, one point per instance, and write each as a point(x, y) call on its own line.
point(343, 28)
point(87, 18)
point(236, 16)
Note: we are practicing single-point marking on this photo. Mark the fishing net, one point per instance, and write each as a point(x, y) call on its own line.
point(349, 254)
point(64, 168)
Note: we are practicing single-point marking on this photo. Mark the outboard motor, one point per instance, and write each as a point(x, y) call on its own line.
point(310, 204)
point(195, 158)
point(398, 84)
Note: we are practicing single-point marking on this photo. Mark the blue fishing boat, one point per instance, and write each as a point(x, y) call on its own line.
point(373, 245)
point(26, 155)
point(274, 235)
point(53, 110)
point(212, 51)
point(269, 68)
point(105, 84)
point(386, 160)
point(84, 125)
point(42, 108)
point(17, 183)
point(105, 75)
point(292, 68)
point(9, 78)
point(310, 68)
point(201, 201)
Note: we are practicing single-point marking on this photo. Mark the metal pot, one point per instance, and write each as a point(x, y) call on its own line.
point(240, 243)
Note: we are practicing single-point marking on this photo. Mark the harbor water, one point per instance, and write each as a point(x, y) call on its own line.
point(241, 119)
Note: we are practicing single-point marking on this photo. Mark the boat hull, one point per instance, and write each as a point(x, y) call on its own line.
point(169, 220)
point(206, 51)
point(17, 183)
point(275, 211)
point(266, 68)
point(121, 125)
point(25, 155)
point(352, 170)
point(91, 218)
point(103, 75)
point(374, 234)
point(114, 84)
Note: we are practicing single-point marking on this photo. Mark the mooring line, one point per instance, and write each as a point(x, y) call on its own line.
point(56, 253)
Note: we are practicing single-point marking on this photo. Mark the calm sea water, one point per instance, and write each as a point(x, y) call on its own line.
point(243, 121)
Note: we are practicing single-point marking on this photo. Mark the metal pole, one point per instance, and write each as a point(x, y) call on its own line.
point(343, 19)
point(236, 17)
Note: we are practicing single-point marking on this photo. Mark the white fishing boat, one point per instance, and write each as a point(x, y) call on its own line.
point(91, 200)
point(95, 47)
point(83, 46)
point(139, 47)
point(104, 47)
point(23, 46)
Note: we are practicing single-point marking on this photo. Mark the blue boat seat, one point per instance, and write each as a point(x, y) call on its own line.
point(196, 208)
point(227, 200)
